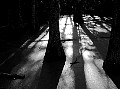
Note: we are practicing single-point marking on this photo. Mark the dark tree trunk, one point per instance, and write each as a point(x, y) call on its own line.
point(112, 62)
point(54, 59)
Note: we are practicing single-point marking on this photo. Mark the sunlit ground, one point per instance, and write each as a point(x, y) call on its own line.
point(36, 56)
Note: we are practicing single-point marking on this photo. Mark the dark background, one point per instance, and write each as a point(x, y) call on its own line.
point(19, 20)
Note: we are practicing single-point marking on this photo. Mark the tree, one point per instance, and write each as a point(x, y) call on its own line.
point(54, 59)
point(112, 62)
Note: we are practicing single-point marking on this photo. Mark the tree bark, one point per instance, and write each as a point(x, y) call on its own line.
point(54, 59)
point(112, 62)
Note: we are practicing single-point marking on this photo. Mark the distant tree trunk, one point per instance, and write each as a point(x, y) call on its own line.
point(77, 16)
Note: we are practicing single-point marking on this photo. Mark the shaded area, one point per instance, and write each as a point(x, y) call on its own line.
point(19, 20)
point(80, 80)
point(112, 62)
point(16, 60)
point(11, 76)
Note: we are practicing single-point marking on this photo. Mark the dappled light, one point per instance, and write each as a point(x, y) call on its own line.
point(92, 61)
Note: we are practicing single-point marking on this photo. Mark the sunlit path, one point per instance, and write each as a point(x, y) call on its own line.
point(77, 47)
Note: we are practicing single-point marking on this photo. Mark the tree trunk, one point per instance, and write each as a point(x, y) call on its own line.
point(54, 59)
point(112, 62)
